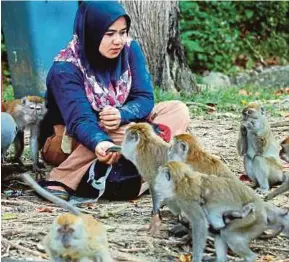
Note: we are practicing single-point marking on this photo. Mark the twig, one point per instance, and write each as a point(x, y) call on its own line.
point(169, 242)
point(200, 104)
point(126, 257)
point(132, 250)
point(280, 124)
point(24, 249)
point(271, 248)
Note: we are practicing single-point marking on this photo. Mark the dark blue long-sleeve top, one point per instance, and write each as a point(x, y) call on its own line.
point(67, 102)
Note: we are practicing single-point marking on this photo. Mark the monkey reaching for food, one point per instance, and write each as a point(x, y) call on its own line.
point(203, 199)
point(73, 236)
point(147, 151)
point(27, 113)
point(260, 149)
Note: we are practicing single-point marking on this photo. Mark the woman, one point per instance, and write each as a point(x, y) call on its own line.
point(96, 87)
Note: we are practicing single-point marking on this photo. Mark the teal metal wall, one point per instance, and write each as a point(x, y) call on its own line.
point(34, 33)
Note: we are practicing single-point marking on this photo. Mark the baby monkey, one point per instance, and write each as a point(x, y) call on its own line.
point(73, 236)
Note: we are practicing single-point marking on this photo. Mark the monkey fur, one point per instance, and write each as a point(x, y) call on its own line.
point(27, 113)
point(204, 198)
point(8, 132)
point(186, 148)
point(73, 236)
point(260, 149)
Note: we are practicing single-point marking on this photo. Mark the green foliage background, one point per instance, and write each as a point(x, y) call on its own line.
point(215, 33)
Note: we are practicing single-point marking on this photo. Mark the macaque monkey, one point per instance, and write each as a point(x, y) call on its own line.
point(203, 199)
point(186, 148)
point(73, 236)
point(8, 132)
point(147, 151)
point(284, 153)
point(260, 149)
point(27, 113)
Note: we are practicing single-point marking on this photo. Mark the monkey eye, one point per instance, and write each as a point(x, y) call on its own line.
point(32, 107)
point(168, 175)
point(183, 146)
point(38, 107)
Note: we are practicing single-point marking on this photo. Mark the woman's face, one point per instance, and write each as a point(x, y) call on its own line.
point(114, 39)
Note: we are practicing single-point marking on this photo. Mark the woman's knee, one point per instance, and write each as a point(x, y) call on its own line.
point(180, 109)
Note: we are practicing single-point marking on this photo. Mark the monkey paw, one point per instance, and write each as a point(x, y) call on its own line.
point(261, 192)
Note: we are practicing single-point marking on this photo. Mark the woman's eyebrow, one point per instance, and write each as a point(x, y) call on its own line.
point(113, 30)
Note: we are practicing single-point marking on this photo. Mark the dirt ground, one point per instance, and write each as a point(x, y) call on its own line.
point(26, 219)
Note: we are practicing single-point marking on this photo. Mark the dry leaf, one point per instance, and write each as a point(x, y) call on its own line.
point(244, 92)
point(44, 209)
point(279, 92)
point(266, 258)
point(185, 258)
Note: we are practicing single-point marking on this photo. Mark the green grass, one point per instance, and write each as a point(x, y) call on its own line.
point(227, 99)
point(8, 93)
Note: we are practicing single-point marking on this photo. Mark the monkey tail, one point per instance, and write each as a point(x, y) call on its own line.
point(281, 189)
point(44, 193)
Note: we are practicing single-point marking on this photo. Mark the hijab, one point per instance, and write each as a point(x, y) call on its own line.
point(106, 81)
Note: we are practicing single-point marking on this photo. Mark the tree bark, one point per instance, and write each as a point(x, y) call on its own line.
point(155, 27)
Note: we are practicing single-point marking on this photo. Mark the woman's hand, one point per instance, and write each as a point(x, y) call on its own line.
point(102, 156)
point(110, 118)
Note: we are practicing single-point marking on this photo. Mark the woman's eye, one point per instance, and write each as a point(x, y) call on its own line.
point(109, 34)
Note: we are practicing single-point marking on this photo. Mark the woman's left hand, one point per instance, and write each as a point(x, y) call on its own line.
point(110, 118)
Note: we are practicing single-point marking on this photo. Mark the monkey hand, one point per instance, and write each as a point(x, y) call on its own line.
point(262, 192)
point(101, 154)
point(155, 225)
point(110, 118)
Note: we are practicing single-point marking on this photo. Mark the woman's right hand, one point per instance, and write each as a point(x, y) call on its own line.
point(102, 156)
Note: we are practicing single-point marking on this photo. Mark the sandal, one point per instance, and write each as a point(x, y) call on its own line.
point(65, 195)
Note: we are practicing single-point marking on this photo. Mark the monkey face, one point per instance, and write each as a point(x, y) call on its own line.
point(68, 236)
point(129, 145)
point(34, 111)
point(178, 151)
point(164, 185)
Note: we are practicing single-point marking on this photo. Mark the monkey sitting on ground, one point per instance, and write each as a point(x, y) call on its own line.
point(203, 199)
point(27, 113)
point(186, 148)
point(73, 236)
point(260, 149)
point(284, 154)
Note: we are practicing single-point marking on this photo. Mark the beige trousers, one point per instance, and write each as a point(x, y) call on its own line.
point(174, 114)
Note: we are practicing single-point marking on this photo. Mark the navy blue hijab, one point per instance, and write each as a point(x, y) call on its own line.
point(91, 22)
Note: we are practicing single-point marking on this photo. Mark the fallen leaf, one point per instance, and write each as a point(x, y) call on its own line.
point(185, 258)
point(8, 216)
point(244, 102)
point(244, 92)
point(44, 209)
point(279, 92)
point(266, 258)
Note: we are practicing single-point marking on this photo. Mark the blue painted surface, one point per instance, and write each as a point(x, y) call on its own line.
point(34, 33)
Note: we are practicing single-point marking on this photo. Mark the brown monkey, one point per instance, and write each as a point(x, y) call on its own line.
point(27, 113)
point(186, 148)
point(260, 149)
point(284, 153)
point(73, 236)
point(203, 199)
point(147, 152)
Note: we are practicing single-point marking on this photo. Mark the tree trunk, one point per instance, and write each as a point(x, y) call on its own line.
point(155, 27)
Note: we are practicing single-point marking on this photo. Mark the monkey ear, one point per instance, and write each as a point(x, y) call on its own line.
point(23, 100)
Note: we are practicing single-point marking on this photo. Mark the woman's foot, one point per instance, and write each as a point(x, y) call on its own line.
point(57, 189)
